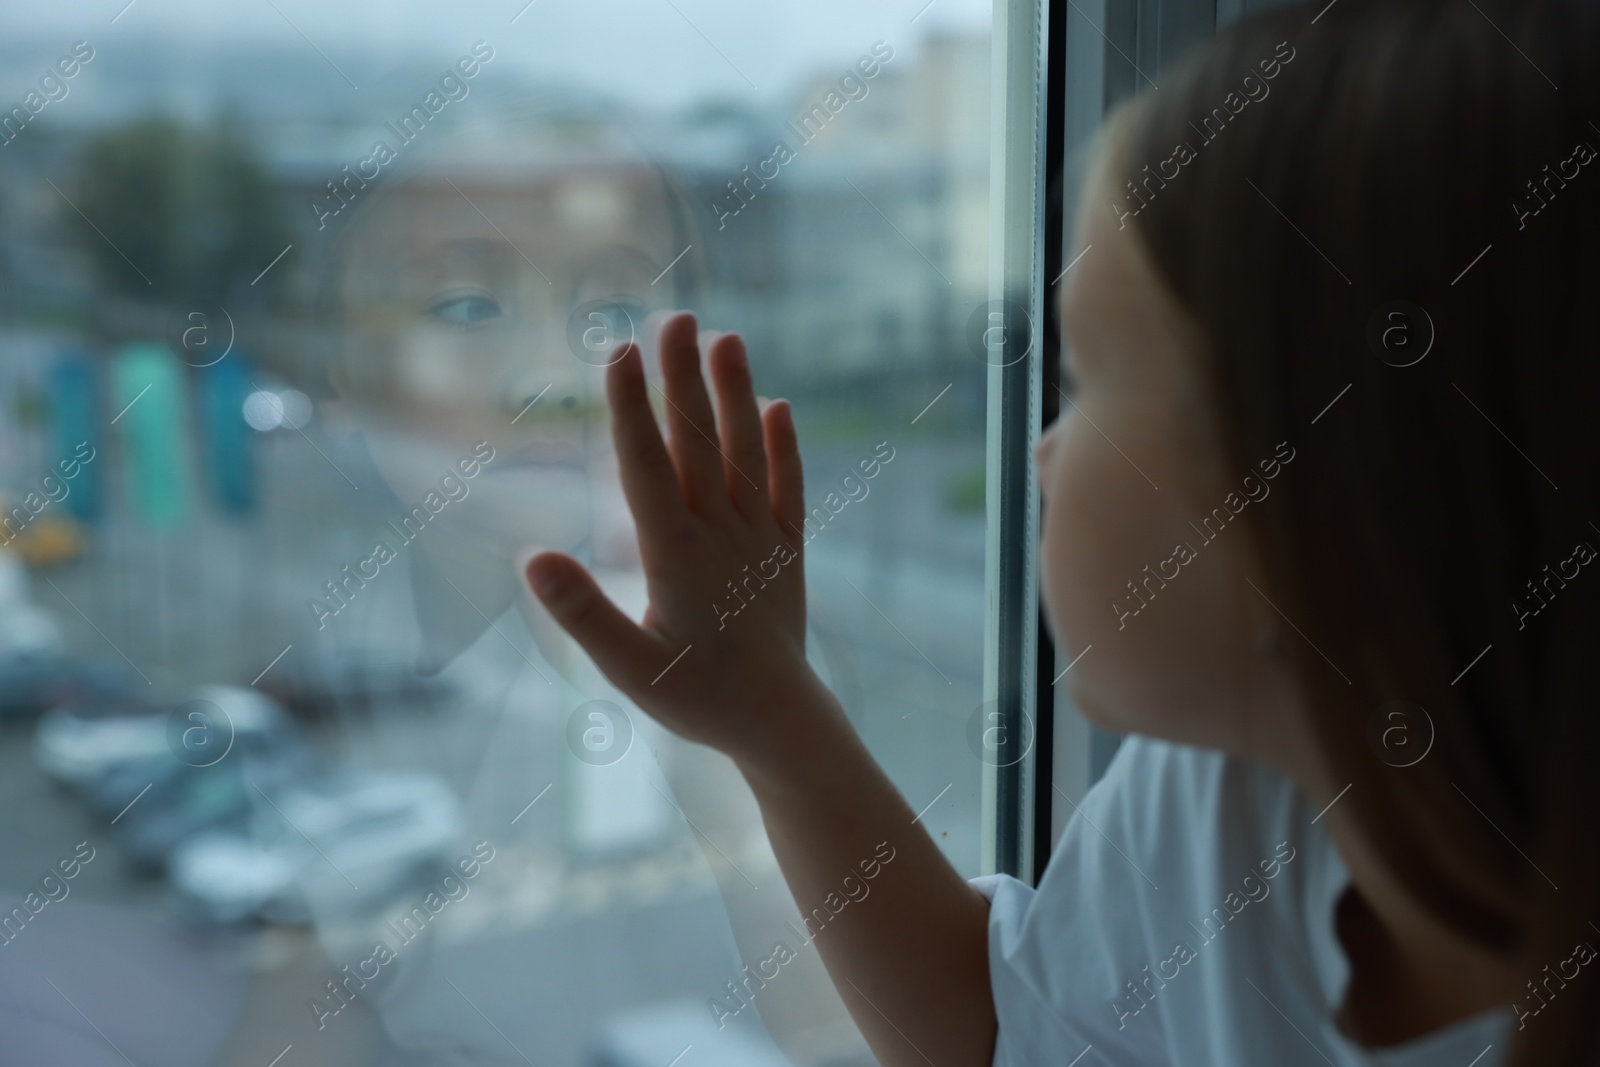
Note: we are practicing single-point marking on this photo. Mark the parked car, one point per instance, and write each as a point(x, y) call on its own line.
point(32, 684)
point(324, 681)
point(191, 801)
point(361, 836)
point(25, 628)
point(80, 742)
point(36, 670)
point(252, 735)
point(88, 743)
point(182, 802)
point(46, 541)
point(161, 774)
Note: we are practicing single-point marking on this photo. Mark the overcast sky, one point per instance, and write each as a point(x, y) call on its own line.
point(659, 52)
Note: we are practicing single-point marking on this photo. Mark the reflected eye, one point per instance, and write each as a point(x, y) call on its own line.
point(464, 311)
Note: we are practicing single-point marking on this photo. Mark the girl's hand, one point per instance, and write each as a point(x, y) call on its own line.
point(911, 962)
point(719, 657)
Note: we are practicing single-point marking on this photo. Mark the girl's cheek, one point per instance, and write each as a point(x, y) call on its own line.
point(1073, 523)
point(1044, 455)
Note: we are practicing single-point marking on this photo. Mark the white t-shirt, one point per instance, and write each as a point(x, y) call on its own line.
point(1186, 919)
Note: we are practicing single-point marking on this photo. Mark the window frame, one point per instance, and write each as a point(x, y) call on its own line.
point(1085, 57)
point(1012, 634)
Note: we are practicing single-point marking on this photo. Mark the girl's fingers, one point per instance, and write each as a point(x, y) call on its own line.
point(691, 427)
point(784, 472)
point(744, 451)
point(649, 481)
point(625, 653)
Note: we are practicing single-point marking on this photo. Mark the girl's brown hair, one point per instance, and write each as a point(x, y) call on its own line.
point(1417, 174)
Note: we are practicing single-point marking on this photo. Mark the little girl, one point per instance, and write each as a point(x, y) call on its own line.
point(1349, 249)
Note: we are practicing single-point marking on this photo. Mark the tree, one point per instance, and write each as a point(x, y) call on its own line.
point(194, 210)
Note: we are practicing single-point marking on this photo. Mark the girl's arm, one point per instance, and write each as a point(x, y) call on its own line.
point(719, 658)
point(909, 955)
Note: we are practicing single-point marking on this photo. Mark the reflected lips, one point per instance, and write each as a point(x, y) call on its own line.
point(542, 454)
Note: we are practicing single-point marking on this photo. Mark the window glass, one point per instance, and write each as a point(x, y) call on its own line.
point(305, 310)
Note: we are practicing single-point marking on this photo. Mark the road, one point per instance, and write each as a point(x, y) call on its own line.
point(896, 608)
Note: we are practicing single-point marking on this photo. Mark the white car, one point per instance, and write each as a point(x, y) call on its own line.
point(81, 746)
point(350, 839)
point(25, 628)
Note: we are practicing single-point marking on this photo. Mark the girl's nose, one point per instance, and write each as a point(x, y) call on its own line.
point(1044, 449)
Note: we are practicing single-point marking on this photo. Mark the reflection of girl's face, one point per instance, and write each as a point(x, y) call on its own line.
point(456, 319)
